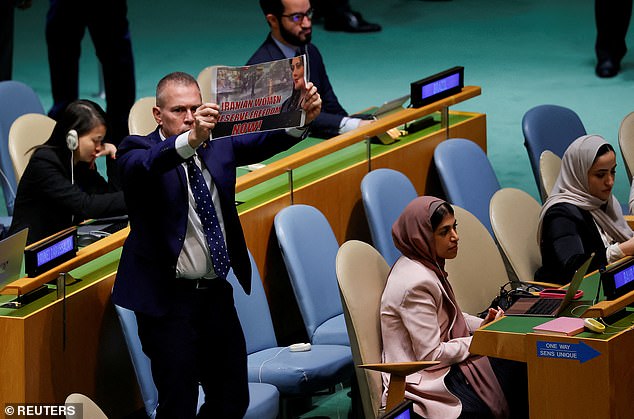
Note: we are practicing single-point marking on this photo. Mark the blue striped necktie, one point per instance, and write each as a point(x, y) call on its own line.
point(207, 213)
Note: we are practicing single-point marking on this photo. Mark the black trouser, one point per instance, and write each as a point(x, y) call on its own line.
point(200, 340)
point(612, 18)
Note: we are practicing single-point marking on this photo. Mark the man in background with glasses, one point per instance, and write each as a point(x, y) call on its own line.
point(291, 29)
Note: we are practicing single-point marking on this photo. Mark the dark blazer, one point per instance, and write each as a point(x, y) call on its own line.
point(155, 187)
point(326, 125)
point(569, 236)
point(47, 201)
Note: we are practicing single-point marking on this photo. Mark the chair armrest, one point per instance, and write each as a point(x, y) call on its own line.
point(630, 220)
point(398, 371)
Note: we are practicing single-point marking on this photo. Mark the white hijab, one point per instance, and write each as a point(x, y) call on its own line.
point(572, 188)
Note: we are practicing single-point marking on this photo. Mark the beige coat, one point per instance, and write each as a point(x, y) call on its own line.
point(414, 316)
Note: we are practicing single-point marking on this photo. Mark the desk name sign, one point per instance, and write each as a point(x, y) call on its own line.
point(48, 253)
point(436, 87)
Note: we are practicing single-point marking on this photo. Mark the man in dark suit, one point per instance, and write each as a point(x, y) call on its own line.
point(107, 23)
point(169, 273)
point(291, 29)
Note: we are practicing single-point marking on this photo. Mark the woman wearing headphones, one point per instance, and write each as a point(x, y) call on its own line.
point(61, 186)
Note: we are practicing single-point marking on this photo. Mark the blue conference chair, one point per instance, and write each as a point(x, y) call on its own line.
point(309, 249)
point(467, 177)
point(293, 373)
point(549, 127)
point(263, 398)
point(16, 99)
point(385, 194)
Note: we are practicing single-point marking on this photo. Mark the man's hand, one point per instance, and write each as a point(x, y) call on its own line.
point(205, 119)
point(312, 103)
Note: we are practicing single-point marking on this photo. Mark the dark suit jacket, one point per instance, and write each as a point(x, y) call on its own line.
point(569, 236)
point(155, 187)
point(46, 200)
point(326, 125)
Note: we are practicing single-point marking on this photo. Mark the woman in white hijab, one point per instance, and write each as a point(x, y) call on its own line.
point(581, 215)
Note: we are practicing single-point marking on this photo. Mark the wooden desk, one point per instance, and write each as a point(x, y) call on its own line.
point(597, 384)
point(54, 347)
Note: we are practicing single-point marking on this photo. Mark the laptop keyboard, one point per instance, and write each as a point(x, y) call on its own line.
point(544, 306)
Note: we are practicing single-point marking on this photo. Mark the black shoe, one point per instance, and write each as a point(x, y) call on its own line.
point(350, 22)
point(607, 68)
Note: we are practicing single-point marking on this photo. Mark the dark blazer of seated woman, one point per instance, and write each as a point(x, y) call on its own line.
point(581, 216)
point(60, 186)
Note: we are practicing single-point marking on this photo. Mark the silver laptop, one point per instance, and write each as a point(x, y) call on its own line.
point(11, 255)
point(550, 307)
point(390, 107)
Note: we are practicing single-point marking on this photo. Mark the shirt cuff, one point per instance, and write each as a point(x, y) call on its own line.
point(348, 124)
point(614, 253)
point(298, 132)
point(182, 146)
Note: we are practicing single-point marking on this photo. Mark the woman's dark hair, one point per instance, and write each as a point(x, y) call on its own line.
point(439, 214)
point(604, 149)
point(82, 116)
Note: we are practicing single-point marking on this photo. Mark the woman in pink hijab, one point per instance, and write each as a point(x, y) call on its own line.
point(421, 320)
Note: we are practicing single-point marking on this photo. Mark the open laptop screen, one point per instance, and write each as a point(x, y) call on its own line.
point(11, 255)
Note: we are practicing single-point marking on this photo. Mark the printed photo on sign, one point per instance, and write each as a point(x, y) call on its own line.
point(260, 97)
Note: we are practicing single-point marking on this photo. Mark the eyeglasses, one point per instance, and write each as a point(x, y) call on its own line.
point(299, 17)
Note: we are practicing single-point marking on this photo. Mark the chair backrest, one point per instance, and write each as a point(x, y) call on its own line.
point(141, 119)
point(27, 131)
point(89, 408)
point(626, 143)
point(549, 127)
point(16, 99)
point(478, 272)
point(253, 311)
point(466, 176)
point(549, 168)
point(362, 273)
point(204, 82)
point(514, 216)
point(309, 249)
point(385, 194)
point(140, 361)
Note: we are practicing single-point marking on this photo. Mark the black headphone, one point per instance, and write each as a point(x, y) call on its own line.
point(72, 140)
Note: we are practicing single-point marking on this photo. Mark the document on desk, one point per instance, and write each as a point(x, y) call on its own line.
point(259, 97)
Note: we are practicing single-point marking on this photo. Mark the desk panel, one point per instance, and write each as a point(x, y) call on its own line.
point(54, 347)
point(594, 382)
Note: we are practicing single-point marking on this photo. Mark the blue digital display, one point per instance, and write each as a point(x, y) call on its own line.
point(436, 87)
point(56, 250)
point(441, 85)
point(624, 277)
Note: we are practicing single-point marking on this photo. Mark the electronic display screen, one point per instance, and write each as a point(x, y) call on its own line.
point(56, 250)
point(441, 85)
point(619, 280)
point(436, 87)
point(624, 277)
point(50, 252)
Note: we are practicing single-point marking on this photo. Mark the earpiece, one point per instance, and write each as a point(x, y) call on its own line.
point(72, 140)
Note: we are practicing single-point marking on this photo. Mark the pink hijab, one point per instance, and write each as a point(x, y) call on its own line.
point(413, 236)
